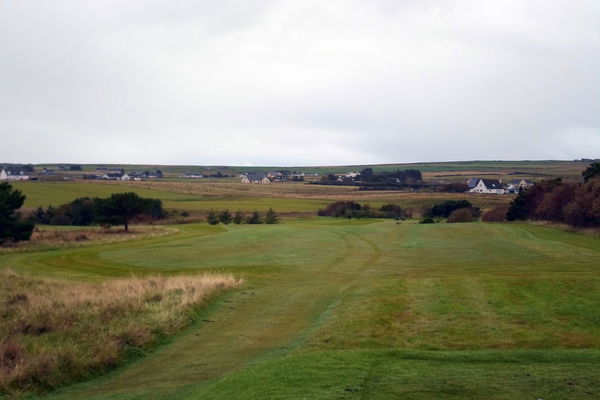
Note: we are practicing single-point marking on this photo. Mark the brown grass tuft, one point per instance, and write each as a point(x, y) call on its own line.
point(55, 332)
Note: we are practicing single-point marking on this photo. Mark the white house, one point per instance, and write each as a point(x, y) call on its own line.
point(255, 178)
point(125, 177)
point(492, 186)
point(8, 175)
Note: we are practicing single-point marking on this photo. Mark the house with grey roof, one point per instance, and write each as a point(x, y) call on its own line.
point(491, 186)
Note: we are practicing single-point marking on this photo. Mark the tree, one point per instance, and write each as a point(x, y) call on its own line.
point(591, 171)
point(120, 208)
point(212, 218)
point(12, 225)
point(238, 218)
point(271, 217)
point(255, 218)
point(225, 217)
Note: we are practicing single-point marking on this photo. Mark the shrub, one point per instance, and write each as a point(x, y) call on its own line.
point(392, 211)
point(461, 215)
point(446, 208)
point(497, 214)
point(340, 209)
point(427, 220)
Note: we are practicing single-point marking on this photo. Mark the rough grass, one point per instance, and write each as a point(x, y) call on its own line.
point(53, 332)
point(52, 237)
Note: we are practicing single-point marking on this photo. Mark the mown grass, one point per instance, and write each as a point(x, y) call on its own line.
point(55, 332)
point(387, 310)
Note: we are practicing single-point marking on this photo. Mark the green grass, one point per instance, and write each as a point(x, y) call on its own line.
point(500, 311)
point(57, 193)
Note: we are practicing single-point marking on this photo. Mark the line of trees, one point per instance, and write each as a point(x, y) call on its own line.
point(226, 218)
point(118, 209)
point(575, 204)
point(351, 209)
point(368, 179)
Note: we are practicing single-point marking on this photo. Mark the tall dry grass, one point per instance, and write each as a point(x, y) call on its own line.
point(55, 332)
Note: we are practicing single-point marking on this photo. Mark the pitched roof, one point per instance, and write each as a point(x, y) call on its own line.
point(492, 183)
point(517, 181)
point(473, 182)
point(252, 176)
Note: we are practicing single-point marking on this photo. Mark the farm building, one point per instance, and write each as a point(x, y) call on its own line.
point(255, 178)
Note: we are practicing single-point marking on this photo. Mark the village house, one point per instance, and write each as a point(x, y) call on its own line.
point(471, 183)
point(491, 186)
point(252, 177)
point(7, 174)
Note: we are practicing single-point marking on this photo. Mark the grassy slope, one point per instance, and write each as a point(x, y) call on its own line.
point(336, 309)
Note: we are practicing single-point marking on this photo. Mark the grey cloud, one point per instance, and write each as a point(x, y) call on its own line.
point(296, 82)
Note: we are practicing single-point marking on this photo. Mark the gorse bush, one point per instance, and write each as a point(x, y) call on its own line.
point(54, 332)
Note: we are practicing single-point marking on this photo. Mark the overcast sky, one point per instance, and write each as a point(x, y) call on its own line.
point(298, 82)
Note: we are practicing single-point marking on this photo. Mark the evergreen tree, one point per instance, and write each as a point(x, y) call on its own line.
point(225, 217)
point(271, 217)
point(238, 218)
point(255, 218)
point(12, 225)
point(212, 218)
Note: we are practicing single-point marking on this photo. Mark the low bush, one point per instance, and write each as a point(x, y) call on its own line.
point(497, 214)
point(461, 215)
point(446, 208)
point(351, 209)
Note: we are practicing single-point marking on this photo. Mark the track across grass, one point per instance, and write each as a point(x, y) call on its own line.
point(362, 309)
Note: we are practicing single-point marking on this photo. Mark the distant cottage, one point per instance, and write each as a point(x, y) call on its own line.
point(492, 186)
point(255, 178)
point(7, 174)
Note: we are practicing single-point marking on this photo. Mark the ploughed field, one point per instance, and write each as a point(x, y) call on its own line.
point(365, 309)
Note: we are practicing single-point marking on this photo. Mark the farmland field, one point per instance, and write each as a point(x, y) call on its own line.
point(360, 309)
point(204, 196)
